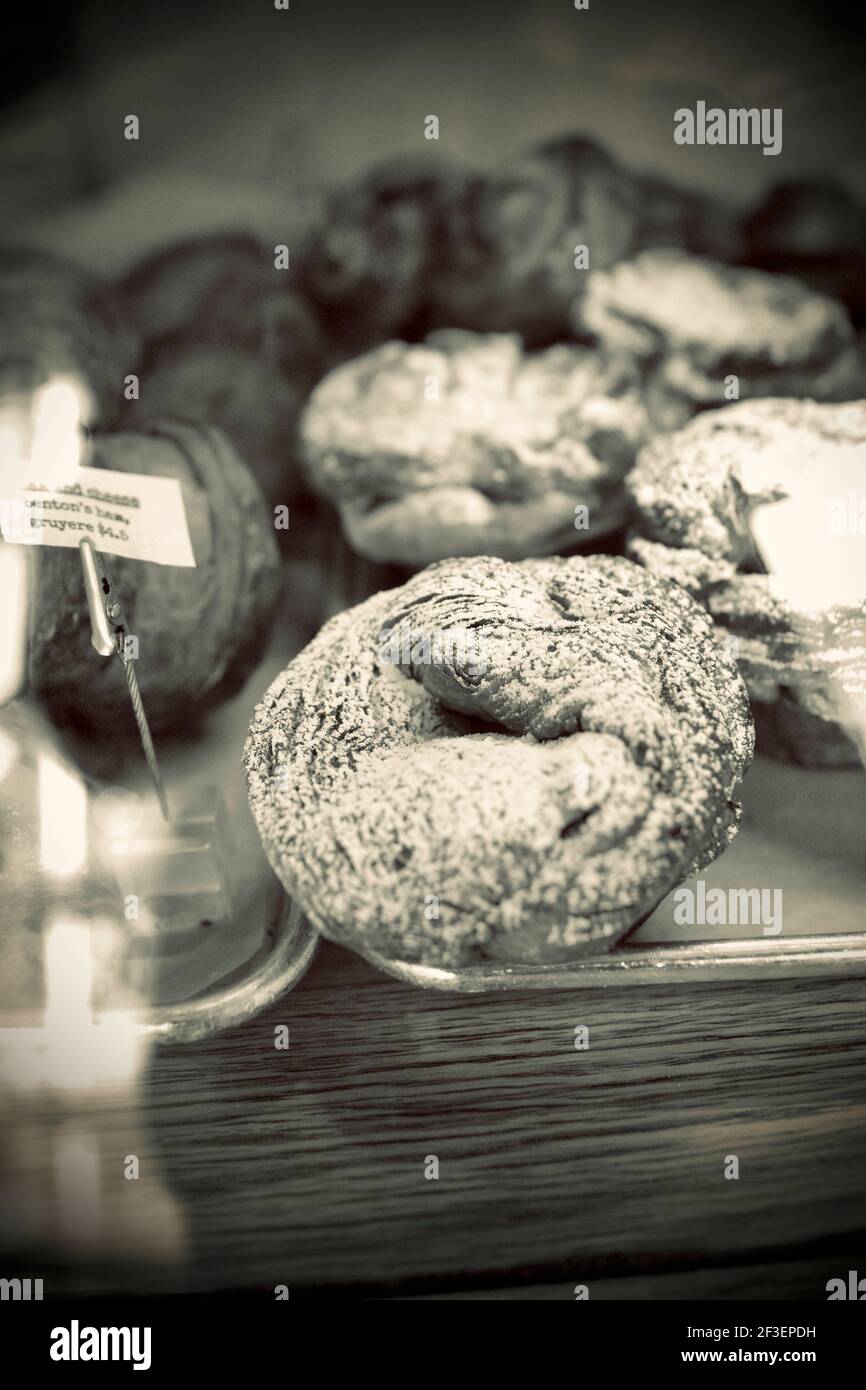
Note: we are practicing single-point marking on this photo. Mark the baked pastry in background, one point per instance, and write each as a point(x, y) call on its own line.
point(367, 270)
point(500, 762)
point(56, 320)
point(202, 287)
point(228, 342)
point(508, 258)
point(200, 631)
point(692, 325)
point(243, 395)
point(225, 290)
point(814, 229)
point(466, 445)
point(800, 631)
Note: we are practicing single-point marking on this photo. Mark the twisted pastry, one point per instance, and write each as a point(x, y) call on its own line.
point(508, 254)
point(367, 272)
point(221, 290)
point(508, 761)
point(203, 287)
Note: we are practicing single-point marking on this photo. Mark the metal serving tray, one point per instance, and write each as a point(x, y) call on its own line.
point(662, 963)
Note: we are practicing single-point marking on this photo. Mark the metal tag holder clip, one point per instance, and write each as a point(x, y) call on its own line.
point(109, 633)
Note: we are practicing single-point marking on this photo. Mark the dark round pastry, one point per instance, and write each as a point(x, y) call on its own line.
point(699, 330)
point(500, 761)
point(801, 646)
point(466, 445)
point(222, 290)
point(239, 392)
point(193, 286)
point(200, 631)
point(367, 269)
point(814, 229)
point(508, 259)
point(56, 320)
point(228, 343)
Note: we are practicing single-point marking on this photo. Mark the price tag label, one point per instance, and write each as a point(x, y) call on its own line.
point(130, 514)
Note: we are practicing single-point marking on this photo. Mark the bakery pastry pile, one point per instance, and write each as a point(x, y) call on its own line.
point(512, 238)
point(515, 755)
point(561, 245)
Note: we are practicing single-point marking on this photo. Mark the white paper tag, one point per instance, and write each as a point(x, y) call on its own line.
point(130, 514)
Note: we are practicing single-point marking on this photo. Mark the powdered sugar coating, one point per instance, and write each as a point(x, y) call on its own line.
point(522, 800)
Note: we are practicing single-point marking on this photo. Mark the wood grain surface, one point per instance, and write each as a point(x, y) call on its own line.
point(305, 1167)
